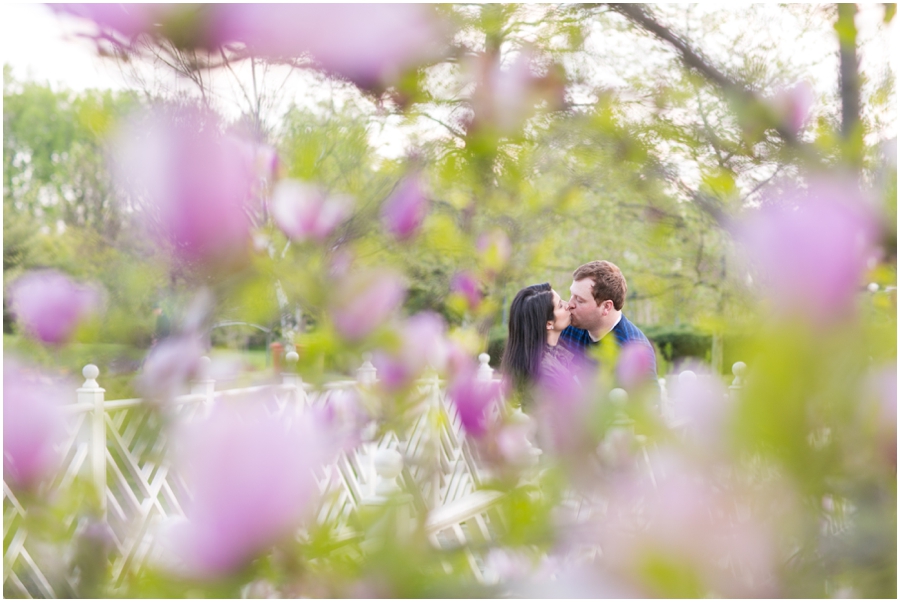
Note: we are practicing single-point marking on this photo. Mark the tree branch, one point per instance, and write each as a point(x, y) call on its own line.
point(693, 59)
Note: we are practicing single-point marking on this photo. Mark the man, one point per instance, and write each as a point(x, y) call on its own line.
point(598, 294)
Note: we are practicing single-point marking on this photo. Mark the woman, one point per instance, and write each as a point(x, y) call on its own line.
point(537, 317)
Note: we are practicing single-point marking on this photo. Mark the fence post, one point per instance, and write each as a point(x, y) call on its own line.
point(396, 520)
point(204, 385)
point(91, 392)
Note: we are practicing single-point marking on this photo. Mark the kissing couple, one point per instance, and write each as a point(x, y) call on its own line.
point(550, 338)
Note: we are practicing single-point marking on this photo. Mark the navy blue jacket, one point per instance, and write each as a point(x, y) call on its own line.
point(578, 340)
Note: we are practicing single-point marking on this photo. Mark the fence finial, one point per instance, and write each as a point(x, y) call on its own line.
point(618, 396)
point(366, 374)
point(738, 369)
point(291, 358)
point(388, 466)
point(485, 372)
point(90, 373)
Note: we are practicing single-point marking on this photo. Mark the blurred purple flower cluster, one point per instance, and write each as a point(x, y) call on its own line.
point(49, 305)
point(368, 44)
point(467, 285)
point(422, 344)
point(303, 212)
point(505, 98)
point(33, 423)
point(195, 180)
point(476, 401)
point(363, 301)
point(252, 483)
point(405, 210)
point(811, 249)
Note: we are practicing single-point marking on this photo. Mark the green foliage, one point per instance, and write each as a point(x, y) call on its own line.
point(680, 342)
point(648, 170)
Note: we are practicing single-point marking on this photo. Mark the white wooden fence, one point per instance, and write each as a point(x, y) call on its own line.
point(121, 447)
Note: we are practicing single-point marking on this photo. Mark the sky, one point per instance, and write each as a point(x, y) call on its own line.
point(44, 47)
point(41, 46)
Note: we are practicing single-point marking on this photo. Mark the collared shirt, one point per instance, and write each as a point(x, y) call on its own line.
point(579, 340)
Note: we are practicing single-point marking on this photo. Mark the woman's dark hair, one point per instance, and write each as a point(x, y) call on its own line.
point(529, 313)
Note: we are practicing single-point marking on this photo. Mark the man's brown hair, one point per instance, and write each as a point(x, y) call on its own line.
point(609, 283)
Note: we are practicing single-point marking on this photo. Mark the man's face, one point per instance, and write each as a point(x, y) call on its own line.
point(585, 312)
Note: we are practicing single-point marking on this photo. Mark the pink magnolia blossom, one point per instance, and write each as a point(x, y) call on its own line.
point(703, 405)
point(505, 98)
point(465, 284)
point(573, 579)
point(250, 474)
point(681, 515)
point(196, 182)
point(365, 301)
point(513, 442)
point(169, 366)
point(793, 105)
point(422, 344)
point(475, 401)
point(33, 423)
point(811, 249)
point(49, 305)
point(369, 44)
point(404, 211)
point(636, 365)
point(304, 212)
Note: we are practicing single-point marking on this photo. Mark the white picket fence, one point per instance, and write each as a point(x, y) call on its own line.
point(121, 447)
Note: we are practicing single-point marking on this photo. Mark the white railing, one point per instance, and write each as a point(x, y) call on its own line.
point(120, 446)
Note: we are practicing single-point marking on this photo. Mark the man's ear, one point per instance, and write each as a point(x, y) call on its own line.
point(607, 307)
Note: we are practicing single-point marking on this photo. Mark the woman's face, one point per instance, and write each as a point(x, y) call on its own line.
point(561, 315)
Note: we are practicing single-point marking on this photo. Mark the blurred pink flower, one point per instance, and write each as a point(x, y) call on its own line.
point(793, 105)
point(562, 407)
point(681, 515)
point(505, 98)
point(169, 366)
point(33, 423)
point(250, 474)
point(303, 211)
point(703, 404)
point(404, 211)
point(811, 249)
point(364, 301)
point(465, 284)
point(635, 365)
point(369, 44)
point(421, 344)
point(508, 565)
point(127, 19)
point(495, 250)
point(49, 305)
point(475, 401)
point(513, 441)
point(196, 181)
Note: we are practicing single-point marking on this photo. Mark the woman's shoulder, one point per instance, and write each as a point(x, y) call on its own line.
point(556, 360)
point(558, 354)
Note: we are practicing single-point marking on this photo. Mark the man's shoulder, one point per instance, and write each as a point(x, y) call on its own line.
point(573, 333)
point(574, 339)
point(626, 331)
